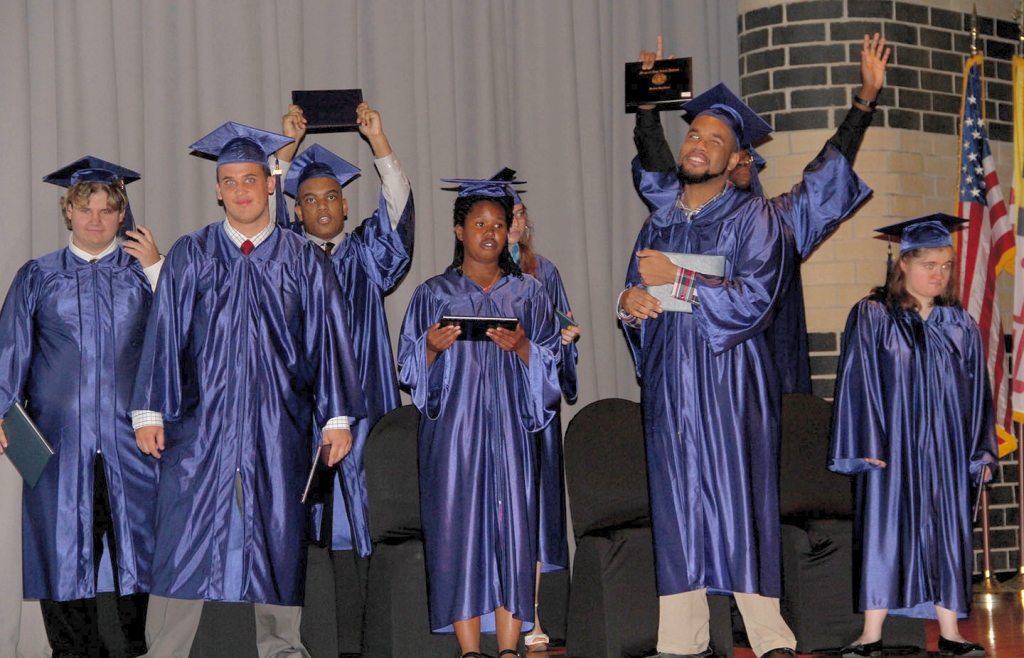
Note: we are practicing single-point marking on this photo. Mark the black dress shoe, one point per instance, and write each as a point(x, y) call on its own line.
point(951, 648)
point(781, 652)
point(862, 650)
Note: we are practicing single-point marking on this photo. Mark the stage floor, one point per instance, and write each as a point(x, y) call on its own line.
point(996, 621)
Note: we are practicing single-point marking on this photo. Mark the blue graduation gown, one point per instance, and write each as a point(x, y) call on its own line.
point(480, 406)
point(828, 193)
point(711, 402)
point(915, 394)
point(554, 544)
point(72, 337)
point(240, 359)
point(369, 262)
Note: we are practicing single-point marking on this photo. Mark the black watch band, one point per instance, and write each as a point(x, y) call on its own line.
point(872, 104)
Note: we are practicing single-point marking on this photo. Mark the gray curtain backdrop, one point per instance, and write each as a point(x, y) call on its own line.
point(463, 86)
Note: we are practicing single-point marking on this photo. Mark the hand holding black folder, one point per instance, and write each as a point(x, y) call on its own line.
point(26, 448)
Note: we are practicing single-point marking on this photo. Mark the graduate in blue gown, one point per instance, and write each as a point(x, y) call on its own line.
point(481, 403)
point(913, 421)
point(241, 362)
point(709, 391)
point(71, 328)
point(369, 262)
point(813, 209)
point(553, 545)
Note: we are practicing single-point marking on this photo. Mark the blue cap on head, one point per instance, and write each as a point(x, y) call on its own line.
point(234, 142)
point(927, 232)
point(486, 187)
point(93, 170)
point(506, 174)
point(318, 162)
point(721, 103)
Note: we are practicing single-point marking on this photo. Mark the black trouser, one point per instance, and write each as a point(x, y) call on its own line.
point(73, 627)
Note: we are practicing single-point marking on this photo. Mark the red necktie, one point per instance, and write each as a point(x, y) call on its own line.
point(328, 247)
point(247, 247)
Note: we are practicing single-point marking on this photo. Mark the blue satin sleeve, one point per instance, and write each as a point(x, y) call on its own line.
point(656, 188)
point(981, 423)
point(859, 412)
point(552, 281)
point(327, 342)
point(740, 306)
point(387, 253)
point(160, 383)
point(427, 384)
point(539, 395)
point(16, 327)
point(828, 193)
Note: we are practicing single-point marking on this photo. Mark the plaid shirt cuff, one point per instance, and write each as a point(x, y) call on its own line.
point(147, 419)
point(685, 287)
point(338, 423)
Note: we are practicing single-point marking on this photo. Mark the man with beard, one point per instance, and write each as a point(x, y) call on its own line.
point(654, 172)
point(710, 399)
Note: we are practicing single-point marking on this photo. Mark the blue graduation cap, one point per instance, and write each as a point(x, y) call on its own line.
point(508, 175)
point(94, 170)
point(721, 103)
point(318, 162)
point(234, 142)
point(486, 187)
point(929, 231)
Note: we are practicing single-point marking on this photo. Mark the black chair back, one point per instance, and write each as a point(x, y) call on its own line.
point(806, 486)
point(392, 477)
point(605, 467)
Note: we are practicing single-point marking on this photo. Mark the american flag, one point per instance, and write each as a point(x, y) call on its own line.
point(986, 245)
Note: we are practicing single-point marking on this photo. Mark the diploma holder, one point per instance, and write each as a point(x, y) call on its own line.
point(26, 448)
point(329, 110)
point(312, 473)
point(699, 263)
point(668, 85)
point(475, 327)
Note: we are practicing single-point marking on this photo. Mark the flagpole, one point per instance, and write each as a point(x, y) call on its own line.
point(1017, 582)
point(989, 584)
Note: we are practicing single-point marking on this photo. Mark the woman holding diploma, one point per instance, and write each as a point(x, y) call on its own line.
point(913, 421)
point(480, 402)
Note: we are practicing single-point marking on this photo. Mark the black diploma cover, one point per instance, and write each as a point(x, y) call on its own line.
point(329, 110)
point(668, 85)
point(26, 447)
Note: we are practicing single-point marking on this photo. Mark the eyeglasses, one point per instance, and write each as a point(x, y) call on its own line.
point(521, 214)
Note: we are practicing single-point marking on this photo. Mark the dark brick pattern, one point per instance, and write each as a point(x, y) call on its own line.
point(797, 57)
point(1003, 510)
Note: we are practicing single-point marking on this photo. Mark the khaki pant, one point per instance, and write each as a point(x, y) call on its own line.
point(683, 624)
point(171, 626)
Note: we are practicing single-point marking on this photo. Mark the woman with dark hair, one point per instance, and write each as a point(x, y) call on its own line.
point(553, 543)
point(913, 421)
point(480, 400)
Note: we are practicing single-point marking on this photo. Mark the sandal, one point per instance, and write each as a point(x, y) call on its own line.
point(537, 642)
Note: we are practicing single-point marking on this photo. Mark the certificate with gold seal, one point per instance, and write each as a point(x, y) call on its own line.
point(668, 85)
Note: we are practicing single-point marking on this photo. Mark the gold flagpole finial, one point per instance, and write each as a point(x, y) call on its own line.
point(974, 31)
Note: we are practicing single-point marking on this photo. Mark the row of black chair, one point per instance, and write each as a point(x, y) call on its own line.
point(612, 601)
